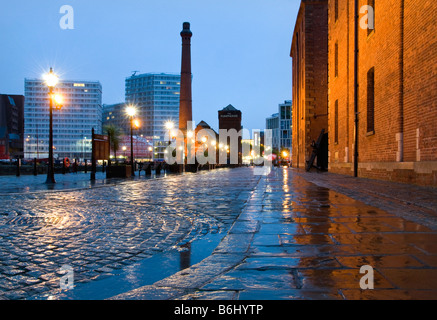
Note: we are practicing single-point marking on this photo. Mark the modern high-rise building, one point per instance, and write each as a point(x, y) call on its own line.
point(115, 114)
point(156, 96)
point(281, 125)
point(272, 123)
point(11, 126)
point(285, 124)
point(72, 124)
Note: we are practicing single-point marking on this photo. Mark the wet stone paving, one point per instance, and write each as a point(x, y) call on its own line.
point(312, 242)
point(283, 238)
point(297, 240)
point(102, 229)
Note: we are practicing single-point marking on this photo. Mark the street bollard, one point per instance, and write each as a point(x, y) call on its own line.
point(18, 167)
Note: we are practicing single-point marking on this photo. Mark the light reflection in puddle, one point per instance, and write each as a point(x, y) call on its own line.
point(142, 273)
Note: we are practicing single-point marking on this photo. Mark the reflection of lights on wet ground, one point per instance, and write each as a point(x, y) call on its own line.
point(285, 186)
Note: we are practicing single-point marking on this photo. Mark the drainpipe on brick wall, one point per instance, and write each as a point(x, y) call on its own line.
point(356, 17)
point(400, 135)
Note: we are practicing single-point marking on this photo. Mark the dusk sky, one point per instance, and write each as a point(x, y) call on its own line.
point(240, 48)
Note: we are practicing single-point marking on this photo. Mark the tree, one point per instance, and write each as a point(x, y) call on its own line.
point(114, 133)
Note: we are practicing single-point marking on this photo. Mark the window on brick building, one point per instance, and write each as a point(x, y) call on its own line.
point(336, 122)
point(371, 101)
point(336, 59)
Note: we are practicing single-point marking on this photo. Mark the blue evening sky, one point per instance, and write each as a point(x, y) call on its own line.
point(240, 48)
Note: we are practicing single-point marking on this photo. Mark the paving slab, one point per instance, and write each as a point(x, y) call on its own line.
point(309, 238)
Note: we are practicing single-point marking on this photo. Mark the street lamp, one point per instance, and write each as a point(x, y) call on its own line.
point(169, 125)
point(131, 111)
point(51, 80)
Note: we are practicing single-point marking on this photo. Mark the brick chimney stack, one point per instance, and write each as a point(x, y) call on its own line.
point(185, 107)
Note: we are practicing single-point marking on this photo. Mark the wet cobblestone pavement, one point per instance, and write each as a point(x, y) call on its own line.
point(299, 240)
point(283, 237)
point(107, 228)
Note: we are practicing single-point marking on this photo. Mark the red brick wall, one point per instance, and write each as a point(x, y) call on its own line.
point(310, 42)
point(403, 51)
point(420, 75)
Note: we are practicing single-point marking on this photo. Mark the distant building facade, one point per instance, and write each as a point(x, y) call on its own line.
point(230, 118)
point(397, 96)
point(156, 95)
point(11, 126)
point(115, 114)
point(285, 125)
point(272, 123)
point(207, 142)
point(309, 51)
point(281, 125)
point(72, 125)
point(143, 149)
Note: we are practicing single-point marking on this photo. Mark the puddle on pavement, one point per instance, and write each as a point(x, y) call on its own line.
point(142, 273)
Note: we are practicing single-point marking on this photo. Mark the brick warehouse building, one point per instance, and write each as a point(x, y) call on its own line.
point(230, 118)
point(309, 51)
point(397, 91)
point(11, 126)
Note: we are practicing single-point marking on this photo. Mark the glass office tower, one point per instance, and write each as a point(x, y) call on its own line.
point(156, 96)
point(72, 124)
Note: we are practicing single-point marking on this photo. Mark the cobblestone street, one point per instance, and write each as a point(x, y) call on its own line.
point(288, 235)
point(99, 230)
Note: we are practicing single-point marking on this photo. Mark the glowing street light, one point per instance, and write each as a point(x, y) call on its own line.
point(51, 80)
point(169, 125)
point(131, 111)
point(59, 100)
point(136, 123)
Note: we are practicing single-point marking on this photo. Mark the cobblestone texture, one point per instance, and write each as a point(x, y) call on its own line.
point(101, 229)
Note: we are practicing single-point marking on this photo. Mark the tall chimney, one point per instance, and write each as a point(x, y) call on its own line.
point(185, 105)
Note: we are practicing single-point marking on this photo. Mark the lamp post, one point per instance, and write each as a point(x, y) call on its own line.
point(124, 151)
point(51, 80)
point(169, 125)
point(131, 112)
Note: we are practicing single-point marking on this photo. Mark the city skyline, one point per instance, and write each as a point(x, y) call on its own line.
point(229, 42)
